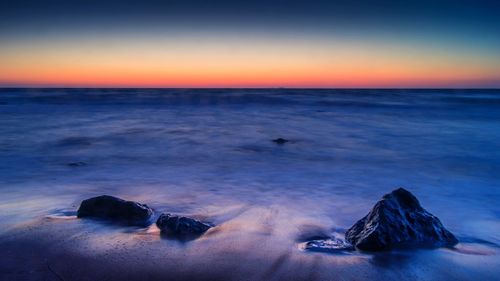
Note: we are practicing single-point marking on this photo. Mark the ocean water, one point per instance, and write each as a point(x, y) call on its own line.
point(209, 154)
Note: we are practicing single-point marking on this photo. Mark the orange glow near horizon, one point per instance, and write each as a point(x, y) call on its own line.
point(237, 63)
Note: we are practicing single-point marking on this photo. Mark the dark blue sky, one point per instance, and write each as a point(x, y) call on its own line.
point(57, 15)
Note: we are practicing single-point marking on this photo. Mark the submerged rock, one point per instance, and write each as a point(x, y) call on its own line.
point(398, 221)
point(77, 164)
point(330, 245)
point(116, 209)
point(181, 227)
point(280, 141)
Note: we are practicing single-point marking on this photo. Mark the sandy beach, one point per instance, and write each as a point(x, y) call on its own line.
point(71, 249)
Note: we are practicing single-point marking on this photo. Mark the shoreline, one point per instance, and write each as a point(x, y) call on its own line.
point(72, 249)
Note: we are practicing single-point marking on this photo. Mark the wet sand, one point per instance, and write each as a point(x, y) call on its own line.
point(67, 248)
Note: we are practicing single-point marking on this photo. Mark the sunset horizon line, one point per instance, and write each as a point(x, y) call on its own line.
point(258, 88)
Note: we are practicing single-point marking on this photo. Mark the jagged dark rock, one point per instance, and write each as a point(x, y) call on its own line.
point(116, 210)
point(398, 221)
point(183, 228)
point(280, 141)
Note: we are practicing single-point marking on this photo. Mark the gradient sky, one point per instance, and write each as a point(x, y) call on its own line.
point(125, 43)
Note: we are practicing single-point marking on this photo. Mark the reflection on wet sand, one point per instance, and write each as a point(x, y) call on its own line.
point(240, 248)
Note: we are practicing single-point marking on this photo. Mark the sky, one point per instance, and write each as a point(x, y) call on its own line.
point(303, 44)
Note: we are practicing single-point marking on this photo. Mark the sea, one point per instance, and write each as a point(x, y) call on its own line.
point(209, 153)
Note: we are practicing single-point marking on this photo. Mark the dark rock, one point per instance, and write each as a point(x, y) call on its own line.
point(280, 141)
point(77, 164)
point(181, 227)
point(398, 221)
point(330, 245)
point(116, 209)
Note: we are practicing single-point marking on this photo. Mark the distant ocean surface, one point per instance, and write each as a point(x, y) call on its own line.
point(210, 153)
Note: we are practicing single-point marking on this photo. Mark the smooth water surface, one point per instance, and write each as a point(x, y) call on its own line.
point(209, 154)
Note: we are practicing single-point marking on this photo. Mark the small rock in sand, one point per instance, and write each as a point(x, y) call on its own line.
point(181, 227)
point(331, 245)
point(116, 209)
point(398, 221)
